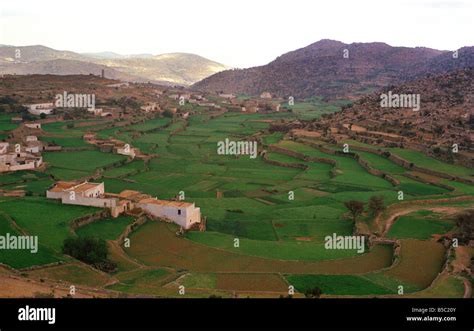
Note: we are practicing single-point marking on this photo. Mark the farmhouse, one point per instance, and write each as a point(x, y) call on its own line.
point(34, 146)
point(13, 161)
point(33, 125)
point(227, 95)
point(151, 107)
point(184, 214)
point(40, 108)
point(85, 194)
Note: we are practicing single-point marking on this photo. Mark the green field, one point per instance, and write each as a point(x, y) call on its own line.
point(107, 229)
point(420, 225)
point(278, 214)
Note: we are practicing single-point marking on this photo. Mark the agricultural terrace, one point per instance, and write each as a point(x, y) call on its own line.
point(279, 206)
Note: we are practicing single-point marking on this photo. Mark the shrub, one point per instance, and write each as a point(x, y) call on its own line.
point(90, 250)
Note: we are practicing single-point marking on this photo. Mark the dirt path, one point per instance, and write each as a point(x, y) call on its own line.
point(117, 249)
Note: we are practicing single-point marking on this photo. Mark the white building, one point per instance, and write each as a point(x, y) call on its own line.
point(31, 138)
point(125, 150)
point(34, 146)
point(85, 194)
point(33, 125)
point(19, 161)
point(227, 95)
point(40, 108)
point(184, 214)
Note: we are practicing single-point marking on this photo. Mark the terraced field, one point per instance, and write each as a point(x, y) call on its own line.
point(278, 208)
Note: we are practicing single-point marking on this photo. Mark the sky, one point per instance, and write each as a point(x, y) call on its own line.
point(238, 33)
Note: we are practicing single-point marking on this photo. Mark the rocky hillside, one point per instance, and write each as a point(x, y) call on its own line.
point(323, 69)
point(174, 68)
point(445, 117)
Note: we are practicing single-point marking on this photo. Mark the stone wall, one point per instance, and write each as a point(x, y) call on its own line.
point(130, 228)
point(284, 164)
point(82, 221)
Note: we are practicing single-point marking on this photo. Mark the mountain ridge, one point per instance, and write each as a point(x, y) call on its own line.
point(333, 69)
point(172, 68)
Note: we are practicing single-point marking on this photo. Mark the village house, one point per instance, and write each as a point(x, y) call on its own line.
point(31, 138)
point(33, 125)
point(85, 194)
point(227, 95)
point(99, 112)
point(151, 107)
point(34, 147)
point(124, 149)
point(40, 108)
point(15, 161)
point(182, 213)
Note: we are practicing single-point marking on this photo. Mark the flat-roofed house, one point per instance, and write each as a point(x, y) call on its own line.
point(19, 161)
point(33, 125)
point(85, 194)
point(40, 108)
point(34, 146)
point(124, 149)
point(83, 189)
point(31, 138)
point(182, 213)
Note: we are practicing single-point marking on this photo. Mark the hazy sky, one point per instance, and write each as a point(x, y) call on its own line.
point(239, 33)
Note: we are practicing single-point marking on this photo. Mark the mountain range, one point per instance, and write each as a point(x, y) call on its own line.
point(333, 69)
point(172, 68)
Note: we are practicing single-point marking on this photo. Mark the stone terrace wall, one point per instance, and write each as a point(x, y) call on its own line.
point(84, 220)
point(130, 228)
point(284, 164)
point(364, 164)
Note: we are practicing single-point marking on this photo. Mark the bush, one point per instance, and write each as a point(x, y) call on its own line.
point(168, 113)
point(90, 250)
point(314, 292)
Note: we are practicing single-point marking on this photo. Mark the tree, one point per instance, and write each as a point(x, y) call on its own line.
point(355, 208)
point(314, 292)
point(376, 204)
point(42, 116)
point(90, 250)
point(168, 113)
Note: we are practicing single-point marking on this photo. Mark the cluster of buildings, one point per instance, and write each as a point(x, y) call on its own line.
point(17, 157)
point(111, 145)
point(185, 214)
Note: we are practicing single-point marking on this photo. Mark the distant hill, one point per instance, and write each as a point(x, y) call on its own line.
point(174, 68)
point(321, 69)
point(178, 68)
point(67, 67)
point(445, 117)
